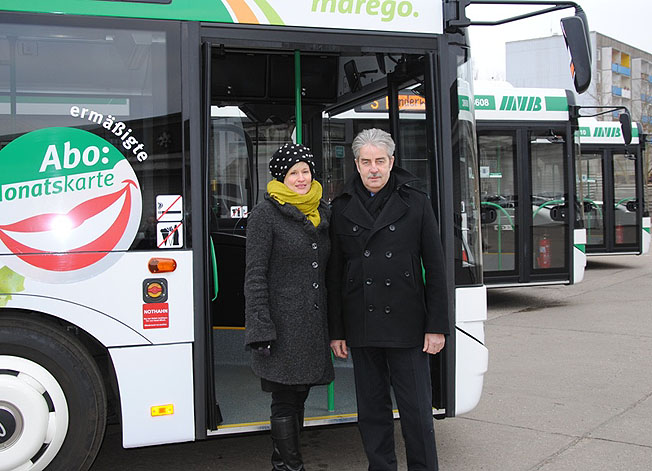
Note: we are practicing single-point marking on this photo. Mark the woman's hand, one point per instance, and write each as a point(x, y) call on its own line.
point(339, 348)
point(262, 348)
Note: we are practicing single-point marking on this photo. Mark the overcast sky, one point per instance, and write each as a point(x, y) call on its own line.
point(625, 20)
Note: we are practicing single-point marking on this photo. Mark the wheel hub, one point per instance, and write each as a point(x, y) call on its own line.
point(11, 425)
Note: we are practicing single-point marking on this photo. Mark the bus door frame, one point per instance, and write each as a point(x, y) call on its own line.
point(525, 273)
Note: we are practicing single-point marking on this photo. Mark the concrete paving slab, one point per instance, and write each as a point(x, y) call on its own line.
point(600, 455)
point(473, 445)
point(632, 426)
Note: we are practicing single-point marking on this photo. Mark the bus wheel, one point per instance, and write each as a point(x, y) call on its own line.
point(52, 398)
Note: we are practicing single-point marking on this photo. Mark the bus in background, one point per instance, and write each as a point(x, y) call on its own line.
point(134, 137)
point(611, 185)
point(532, 231)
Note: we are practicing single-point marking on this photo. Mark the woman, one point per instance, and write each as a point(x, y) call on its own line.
point(285, 295)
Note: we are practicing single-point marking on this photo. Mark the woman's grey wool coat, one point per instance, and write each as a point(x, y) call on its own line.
point(285, 293)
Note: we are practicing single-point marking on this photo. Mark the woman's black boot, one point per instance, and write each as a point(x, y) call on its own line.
point(285, 435)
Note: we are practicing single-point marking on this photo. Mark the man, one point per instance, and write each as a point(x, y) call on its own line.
point(382, 232)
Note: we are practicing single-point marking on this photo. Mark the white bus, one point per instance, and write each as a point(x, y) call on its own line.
point(611, 179)
point(126, 177)
point(532, 230)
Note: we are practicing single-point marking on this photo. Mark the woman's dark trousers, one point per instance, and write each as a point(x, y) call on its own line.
point(286, 422)
point(407, 370)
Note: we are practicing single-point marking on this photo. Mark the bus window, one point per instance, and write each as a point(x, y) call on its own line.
point(468, 252)
point(549, 234)
point(591, 176)
point(115, 83)
point(499, 201)
point(625, 202)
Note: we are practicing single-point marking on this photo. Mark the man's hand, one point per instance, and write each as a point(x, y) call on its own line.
point(432, 343)
point(339, 348)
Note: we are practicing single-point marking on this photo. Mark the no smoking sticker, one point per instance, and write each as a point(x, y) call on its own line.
point(169, 208)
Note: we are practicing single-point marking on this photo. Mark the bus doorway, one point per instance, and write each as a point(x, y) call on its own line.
point(251, 107)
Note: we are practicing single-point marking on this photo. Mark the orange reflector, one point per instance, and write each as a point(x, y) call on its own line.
point(161, 265)
point(167, 409)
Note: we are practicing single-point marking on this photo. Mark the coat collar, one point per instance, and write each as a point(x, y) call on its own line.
point(394, 209)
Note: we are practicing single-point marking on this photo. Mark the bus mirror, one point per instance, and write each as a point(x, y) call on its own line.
point(575, 30)
point(626, 127)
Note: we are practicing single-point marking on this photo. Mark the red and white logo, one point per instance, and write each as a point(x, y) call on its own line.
point(72, 207)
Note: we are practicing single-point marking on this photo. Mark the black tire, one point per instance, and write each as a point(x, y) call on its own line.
point(65, 358)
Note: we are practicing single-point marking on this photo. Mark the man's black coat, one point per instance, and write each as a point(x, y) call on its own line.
point(376, 291)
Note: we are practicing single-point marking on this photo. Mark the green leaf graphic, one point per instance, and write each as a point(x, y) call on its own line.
point(10, 282)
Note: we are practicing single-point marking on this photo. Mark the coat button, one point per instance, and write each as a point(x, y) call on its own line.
point(316, 306)
point(314, 245)
point(315, 285)
point(315, 264)
point(355, 228)
point(371, 308)
point(407, 274)
point(388, 282)
point(367, 253)
point(350, 280)
point(388, 309)
point(392, 227)
point(388, 254)
point(369, 281)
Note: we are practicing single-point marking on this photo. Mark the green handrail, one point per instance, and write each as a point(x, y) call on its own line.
point(629, 198)
point(589, 228)
point(297, 95)
point(547, 203)
point(596, 205)
point(502, 210)
point(214, 266)
point(500, 229)
point(299, 137)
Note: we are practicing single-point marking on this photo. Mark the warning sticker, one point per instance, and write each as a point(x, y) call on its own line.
point(156, 316)
point(169, 235)
point(169, 208)
point(238, 212)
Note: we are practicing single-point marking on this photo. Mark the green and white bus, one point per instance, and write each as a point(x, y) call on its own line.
point(611, 184)
point(532, 230)
point(134, 138)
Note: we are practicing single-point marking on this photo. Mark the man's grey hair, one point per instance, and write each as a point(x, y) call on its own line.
point(374, 137)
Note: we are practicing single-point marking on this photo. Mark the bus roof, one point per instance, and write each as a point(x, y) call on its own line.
point(520, 104)
point(592, 131)
point(403, 16)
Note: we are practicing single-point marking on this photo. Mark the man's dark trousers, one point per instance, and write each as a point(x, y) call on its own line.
point(408, 372)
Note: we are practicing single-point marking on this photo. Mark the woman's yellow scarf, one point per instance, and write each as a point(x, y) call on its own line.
point(308, 204)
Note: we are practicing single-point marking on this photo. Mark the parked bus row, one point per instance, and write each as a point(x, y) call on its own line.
point(555, 187)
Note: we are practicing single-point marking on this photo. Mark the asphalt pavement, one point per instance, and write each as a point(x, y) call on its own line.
point(569, 387)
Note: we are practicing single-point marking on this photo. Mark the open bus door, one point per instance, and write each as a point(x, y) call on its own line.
point(250, 109)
